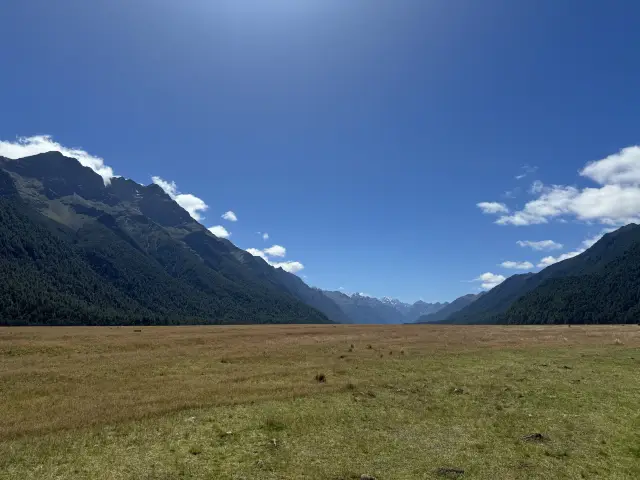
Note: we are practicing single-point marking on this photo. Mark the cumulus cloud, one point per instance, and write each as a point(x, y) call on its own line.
point(616, 201)
point(27, 146)
point(276, 251)
point(489, 280)
point(622, 168)
point(230, 216)
point(190, 203)
point(220, 231)
point(291, 267)
point(492, 207)
point(517, 265)
point(540, 245)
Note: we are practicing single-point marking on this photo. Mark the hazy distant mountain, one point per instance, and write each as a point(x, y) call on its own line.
point(363, 309)
point(421, 308)
point(76, 251)
point(402, 307)
point(442, 314)
point(601, 285)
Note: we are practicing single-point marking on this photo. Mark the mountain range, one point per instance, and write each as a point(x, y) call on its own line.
point(361, 308)
point(77, 250)
point(451, 308)
point(74, 250)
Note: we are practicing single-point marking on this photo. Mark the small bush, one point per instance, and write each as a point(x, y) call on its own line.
point(321, 378)
point(369, 346)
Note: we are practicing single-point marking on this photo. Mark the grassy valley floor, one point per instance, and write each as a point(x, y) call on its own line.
point(397, 402)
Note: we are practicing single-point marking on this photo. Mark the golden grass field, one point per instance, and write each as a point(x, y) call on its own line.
point(399, 402)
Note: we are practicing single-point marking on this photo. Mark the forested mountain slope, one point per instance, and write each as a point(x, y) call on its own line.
point(76, 251)
point(598, 286)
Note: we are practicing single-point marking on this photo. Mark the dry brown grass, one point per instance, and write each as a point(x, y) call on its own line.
point(58, 378)
point(57, 381)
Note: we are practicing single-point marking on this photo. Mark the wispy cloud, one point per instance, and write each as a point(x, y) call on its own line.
point(230, 216)
point(189, 202)
point(536, 187)
point(540, 245)
point(27, 146)
point(526, 170)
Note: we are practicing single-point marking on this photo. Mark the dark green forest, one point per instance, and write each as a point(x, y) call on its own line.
point(100, 261)
point(46, 279)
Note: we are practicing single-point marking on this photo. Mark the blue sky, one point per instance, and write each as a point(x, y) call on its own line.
point(360, 135)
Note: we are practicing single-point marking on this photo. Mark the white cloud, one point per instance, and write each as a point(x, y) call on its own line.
point(536, 187)
point(622, 168)
point(615, 202)
point(170, 188)
point(276, 251)
point(517, 265)
point(540, 245)
point(220, 231)
point(230, 216)
point(492, 207)
point(190, 203)
point(546, 261)
point(265, 236)
point(291, 267)
point(586, 243)
point(489, 280)
point(27, 146)
point(554, 201)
